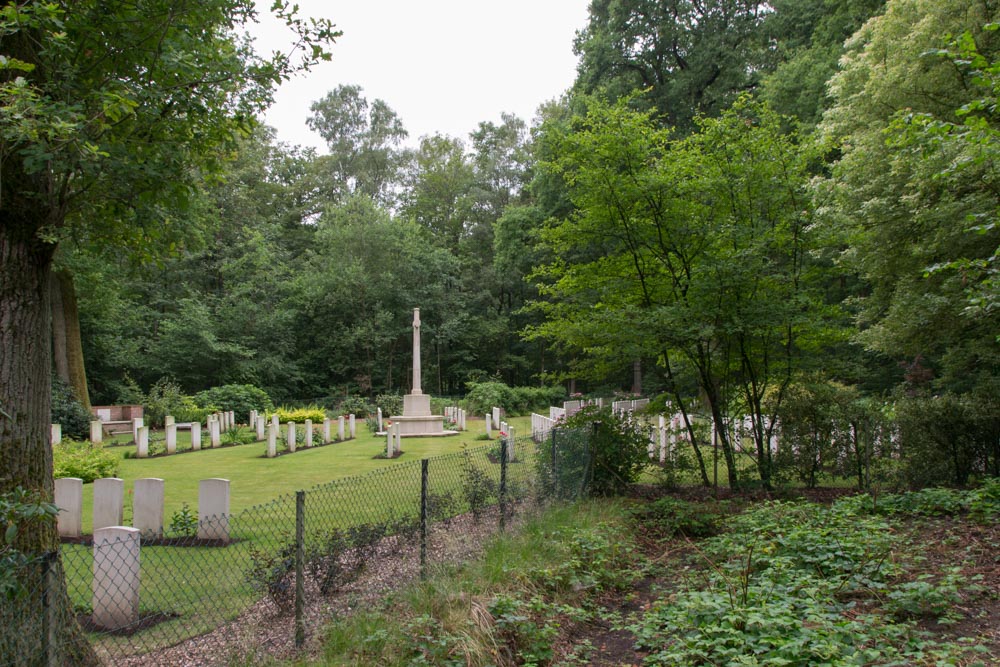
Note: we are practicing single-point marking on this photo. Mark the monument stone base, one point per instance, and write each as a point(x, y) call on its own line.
point(417, 420)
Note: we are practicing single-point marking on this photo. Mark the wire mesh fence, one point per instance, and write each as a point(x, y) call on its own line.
point(279, 568)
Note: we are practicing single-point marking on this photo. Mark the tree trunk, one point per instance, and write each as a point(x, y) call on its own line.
point(25, 451)
point(67, 347)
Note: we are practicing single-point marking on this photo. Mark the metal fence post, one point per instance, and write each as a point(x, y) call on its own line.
point(423, 518)
point(503, 482)
point(300, 557)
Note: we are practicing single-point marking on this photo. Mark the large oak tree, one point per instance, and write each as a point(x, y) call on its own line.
point(112, 113)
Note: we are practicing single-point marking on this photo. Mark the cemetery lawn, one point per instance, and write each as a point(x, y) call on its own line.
point(256, 480)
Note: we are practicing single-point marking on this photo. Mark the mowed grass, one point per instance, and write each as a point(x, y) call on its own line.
point(255, 479)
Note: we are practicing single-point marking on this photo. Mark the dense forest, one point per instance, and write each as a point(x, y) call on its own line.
point(771, 208)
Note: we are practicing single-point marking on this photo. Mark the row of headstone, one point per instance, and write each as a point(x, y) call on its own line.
point(147, 506)
point(541, 426)
point(272, 430)
point(557, 414)
point(115, 587)
point(456, 416)
point(622, 407)
point(507, 440)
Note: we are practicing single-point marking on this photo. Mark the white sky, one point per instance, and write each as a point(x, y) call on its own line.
point(442, 65)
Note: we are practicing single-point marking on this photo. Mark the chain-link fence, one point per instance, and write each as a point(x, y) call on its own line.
point(271, 574)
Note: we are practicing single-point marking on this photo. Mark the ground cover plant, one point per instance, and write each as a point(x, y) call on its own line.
point(696, 581)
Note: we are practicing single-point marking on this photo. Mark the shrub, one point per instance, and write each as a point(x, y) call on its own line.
point(239, 398)
point(357, 406)
point(68, 411)
point(84, 460)
point(391, 404)
point(484, 396)
point(597, 451)
point(669, 516)
point(946, 439)
point(299, 415)
point(536, 399)
point(164, 398)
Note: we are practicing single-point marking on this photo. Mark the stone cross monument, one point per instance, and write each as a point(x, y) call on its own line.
point(417, 419)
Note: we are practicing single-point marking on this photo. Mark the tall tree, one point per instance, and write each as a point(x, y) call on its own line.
point(905, 207)
point(365, 142)
point(694, 57)
point(691, 251)
point(109, 113)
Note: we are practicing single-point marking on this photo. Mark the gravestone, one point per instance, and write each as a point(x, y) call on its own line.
point(213, 509)
point(214, 433)
point(326, 431)
point(147, 506)
point(259, 423)
point(97, 431)
point(309, 433)
point(109, 500)
point(290, 437)
point(55, 434)
point(340, 428)
point(142, 442)
point(137, 423)
point(354, 427)
point(489, 425)
point(69, 500)
point(170, 433)
point(272, 441)
point(195, 436)
point(115, 589)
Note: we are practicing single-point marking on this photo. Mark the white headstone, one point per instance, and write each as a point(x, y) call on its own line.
point(272, 441)
point(489, 425)
point(214, 432)
point(213, 509)
point(353, 426)
point(195, 436)
point(259, 423)
point(309, 433)
point(69, 500)
point(97, 431)
point(290, 437)
point(399, 436)
point(142, 442)
point(496, 415)
point(137, 423)
point(55, 434)
point(147, 506)
point(380, 419)
point(326, 431)
point(170, 432)
point(390, 441)
point(116, 577)
point(340, 428)
point(109, 500)
point(168, 420)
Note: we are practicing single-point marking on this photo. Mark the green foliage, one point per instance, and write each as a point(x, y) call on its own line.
point(166, 397)
point(68, 411)
point(947, 438)
point(184, 522)
point(776, 595)
point(484, 396)
point(299, 415)
point(668, 517)
point(928, 596)
point(391, 404)
point(239, 435)
point(615, 448)
point(85, 460)
point(478, 488)
point(357, 406)
point(239, 398)
point(18, 509)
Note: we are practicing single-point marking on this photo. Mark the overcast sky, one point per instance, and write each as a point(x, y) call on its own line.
point(442, 65)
